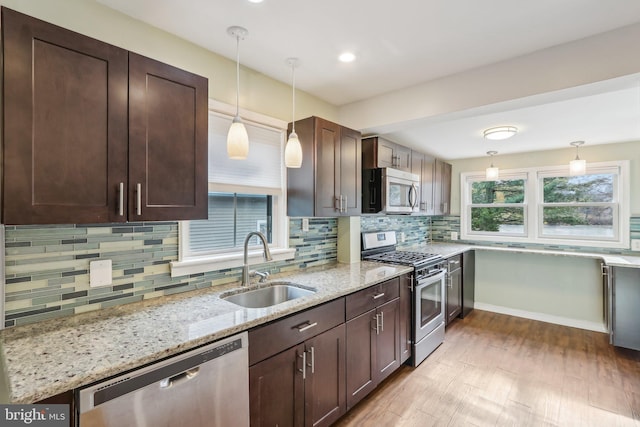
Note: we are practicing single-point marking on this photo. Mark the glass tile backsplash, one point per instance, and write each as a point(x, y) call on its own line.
point(47, 267)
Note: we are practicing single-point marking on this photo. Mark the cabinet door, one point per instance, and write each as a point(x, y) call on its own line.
point(387, 339)
point(405, 317)
point(386, 153)
point(454, 295)
point(167, 142)
point(327, 186)
point(442, 188)
point(361, 357)
point(423, 165)
point(325, 393)
point(403, 158)
point(65, 124)
point(276, 390)
point(351, 171)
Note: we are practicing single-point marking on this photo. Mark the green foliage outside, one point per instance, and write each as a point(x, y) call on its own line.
point(580, 189)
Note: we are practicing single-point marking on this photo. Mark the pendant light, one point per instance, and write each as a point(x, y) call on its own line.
point(293, 149)
point(577, 166)
point(237, 138)
point(492, 173)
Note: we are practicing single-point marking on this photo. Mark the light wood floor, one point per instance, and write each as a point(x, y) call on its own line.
point(495, 369)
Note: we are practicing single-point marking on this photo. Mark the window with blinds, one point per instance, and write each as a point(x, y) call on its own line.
point(244, 195)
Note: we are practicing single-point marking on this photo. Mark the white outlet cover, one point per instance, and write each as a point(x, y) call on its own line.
point(305, 224)
point(454, 235)
point(635, 244)
point(100, 273)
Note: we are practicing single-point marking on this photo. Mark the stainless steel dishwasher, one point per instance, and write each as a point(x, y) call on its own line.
point(208, 386)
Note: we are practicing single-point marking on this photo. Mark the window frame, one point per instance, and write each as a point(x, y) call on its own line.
point(534, 204)
point(189, 263)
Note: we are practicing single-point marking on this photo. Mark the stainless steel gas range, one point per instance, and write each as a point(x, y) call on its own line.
point(429, 272)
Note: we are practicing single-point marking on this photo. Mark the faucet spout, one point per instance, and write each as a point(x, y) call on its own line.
point(267, 254)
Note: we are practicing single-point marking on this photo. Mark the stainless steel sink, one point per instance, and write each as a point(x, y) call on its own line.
point(271, 295)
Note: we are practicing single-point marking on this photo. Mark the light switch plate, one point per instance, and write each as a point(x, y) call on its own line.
point(454, 235)
point(305, 224)
point(635, 244)
point(100, 273)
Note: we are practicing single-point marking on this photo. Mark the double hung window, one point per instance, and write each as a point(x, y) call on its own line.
point(547, 205)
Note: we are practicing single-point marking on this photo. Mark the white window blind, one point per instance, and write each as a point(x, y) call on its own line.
point(259, 173)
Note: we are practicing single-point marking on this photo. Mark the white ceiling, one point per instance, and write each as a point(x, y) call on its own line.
point(402, 43)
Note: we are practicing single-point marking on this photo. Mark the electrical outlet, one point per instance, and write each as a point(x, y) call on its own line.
point(454, 235)
point(635, 245)
point(100, 273)
point(305, 224)
point(402, 237)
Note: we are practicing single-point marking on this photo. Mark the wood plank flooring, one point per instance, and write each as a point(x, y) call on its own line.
point(501, 370)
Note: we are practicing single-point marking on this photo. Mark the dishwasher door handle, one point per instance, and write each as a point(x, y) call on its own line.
point(180, 378)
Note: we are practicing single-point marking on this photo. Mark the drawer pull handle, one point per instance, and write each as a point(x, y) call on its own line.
point(304, 365)
point(307, 326)
point(378, 295)
point(121, 199)
point(139, 199)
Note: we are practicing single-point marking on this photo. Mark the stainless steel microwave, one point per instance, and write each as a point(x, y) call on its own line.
point(391, 191)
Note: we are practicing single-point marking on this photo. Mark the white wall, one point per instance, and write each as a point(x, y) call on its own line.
point(259, 93)
point(558, 289)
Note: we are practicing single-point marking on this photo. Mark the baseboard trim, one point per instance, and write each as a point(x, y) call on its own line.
point(542, 317)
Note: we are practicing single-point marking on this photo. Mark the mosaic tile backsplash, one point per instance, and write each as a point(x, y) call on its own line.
point(415, 228)
point(442, 226)
point(47, 267)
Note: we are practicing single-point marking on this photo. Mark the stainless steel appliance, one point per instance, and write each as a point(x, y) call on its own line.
point(390, 190)
point(208, 386)
point(429, 272)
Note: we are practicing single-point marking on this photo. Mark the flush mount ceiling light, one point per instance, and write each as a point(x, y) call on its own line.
point(577, 166)
point(293, 149)
point(492, 173)
point(255, 1)
point(237, 138)
point(347, 57)
point(500, 132)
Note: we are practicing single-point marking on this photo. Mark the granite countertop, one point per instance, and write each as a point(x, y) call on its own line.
point(447, 249)
point(51, 357)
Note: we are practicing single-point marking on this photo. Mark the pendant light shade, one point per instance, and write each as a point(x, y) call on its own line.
point(492, 173)
point(577, 166)
point(237, 138)
point(293, 149)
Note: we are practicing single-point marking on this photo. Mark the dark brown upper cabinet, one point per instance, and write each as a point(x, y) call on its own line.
point(94, 133)
point(329, 183)
point(382, 153)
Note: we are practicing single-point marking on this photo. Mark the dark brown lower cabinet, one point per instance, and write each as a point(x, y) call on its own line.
point(373, 349)
point(303, 385)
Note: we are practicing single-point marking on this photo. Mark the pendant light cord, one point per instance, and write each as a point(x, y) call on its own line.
point(237, 76)
point(293, 113)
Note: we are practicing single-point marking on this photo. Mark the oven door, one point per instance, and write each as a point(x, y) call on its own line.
point(400, 191)
point(429, 304)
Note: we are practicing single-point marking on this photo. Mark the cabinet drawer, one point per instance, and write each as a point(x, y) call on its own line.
point(374, 296)
point(270, 339)
point(454, 263)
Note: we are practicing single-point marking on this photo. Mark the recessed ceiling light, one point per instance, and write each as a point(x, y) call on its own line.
point(347, 57)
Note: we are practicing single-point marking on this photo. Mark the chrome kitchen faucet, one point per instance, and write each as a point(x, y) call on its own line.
point(246, 274)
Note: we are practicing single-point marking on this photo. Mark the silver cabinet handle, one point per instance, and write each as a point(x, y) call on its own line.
point(304, 365)
point(380, 295)
point(313, 360)
point(338, 204)
point(345, 205)
point(378, 324)
point(139, 199)
point(445, 206)
point(382, 321)
point(307, 326)
point(121, 199)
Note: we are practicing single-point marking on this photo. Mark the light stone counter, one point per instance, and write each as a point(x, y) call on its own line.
point(450, 249)
point(51, 357)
